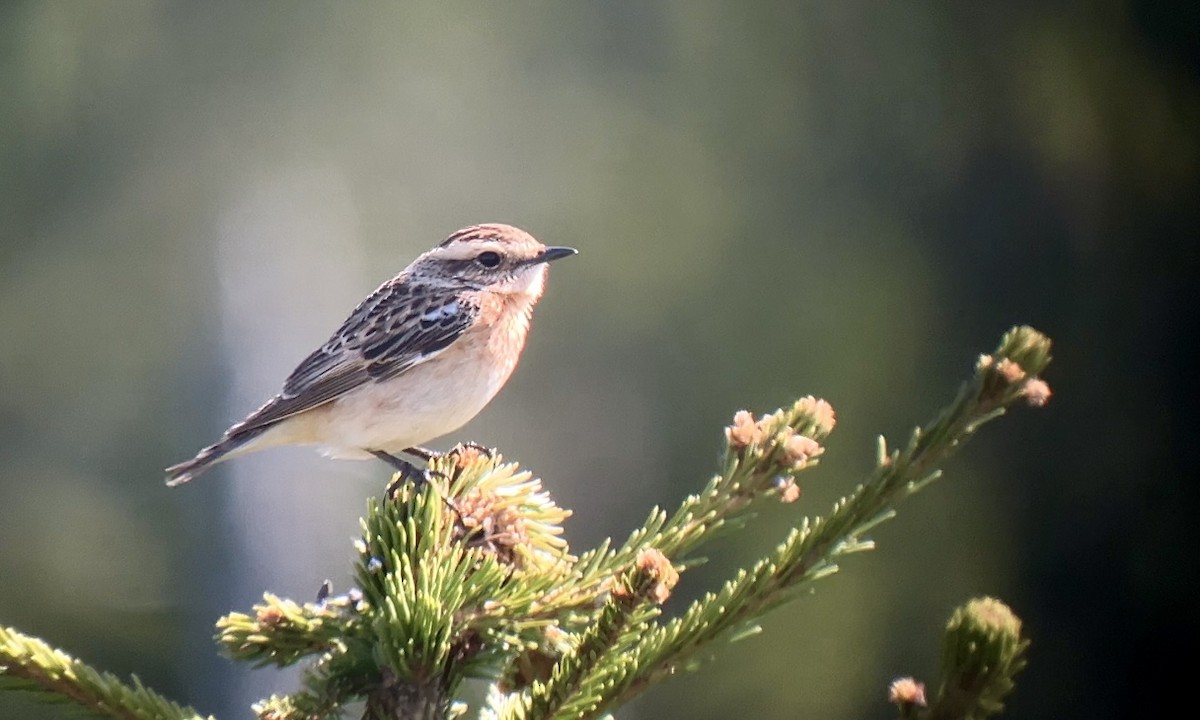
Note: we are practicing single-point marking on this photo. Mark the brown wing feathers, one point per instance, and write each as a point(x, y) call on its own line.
point(397, 327)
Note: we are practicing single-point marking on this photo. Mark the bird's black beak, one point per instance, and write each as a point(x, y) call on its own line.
point(555, 253)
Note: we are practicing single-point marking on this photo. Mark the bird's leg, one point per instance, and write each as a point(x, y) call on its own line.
point(419, 452)
point(404, 467)
point(407, 471)
point(424, 454)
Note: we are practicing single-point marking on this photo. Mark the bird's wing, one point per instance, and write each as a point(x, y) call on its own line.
point(398, 327)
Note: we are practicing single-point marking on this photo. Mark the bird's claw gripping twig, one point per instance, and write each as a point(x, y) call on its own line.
point(406, 471)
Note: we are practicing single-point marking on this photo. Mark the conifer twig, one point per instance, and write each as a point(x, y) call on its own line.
point(468, 576)
point(28, 663)
point(982, 651)
point(810, 551)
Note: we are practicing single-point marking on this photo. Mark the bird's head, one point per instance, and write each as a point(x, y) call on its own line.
point(494, 257)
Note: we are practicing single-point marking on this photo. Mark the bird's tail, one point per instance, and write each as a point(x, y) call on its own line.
point(233, 444)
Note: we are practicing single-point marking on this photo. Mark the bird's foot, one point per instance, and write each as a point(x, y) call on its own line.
point(463, 453)
point(487, 452)
point(406, 472)
point(427, 454)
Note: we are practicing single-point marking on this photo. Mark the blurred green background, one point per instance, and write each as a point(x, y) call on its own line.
point(850, 199)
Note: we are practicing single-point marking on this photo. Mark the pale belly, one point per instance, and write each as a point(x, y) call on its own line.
point(414, 408)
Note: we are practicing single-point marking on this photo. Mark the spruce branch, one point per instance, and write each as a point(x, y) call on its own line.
point(467, 576)
point(282, 632)
point(451, 581)
point(27, 663)
point(763, 458)
point(810, 551)
point(577, 680)
point(982, 651)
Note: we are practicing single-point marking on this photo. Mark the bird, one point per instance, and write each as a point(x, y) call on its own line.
point(416, 360)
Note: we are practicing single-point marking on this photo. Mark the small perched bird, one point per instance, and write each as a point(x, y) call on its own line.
point(417, 359)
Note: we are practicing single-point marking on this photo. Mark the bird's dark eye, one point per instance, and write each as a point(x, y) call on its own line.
point(488, 259)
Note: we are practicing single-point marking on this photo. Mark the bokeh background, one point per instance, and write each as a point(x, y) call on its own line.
point(850, 199)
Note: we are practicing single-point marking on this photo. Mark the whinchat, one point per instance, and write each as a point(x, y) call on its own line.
point(417, 359)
